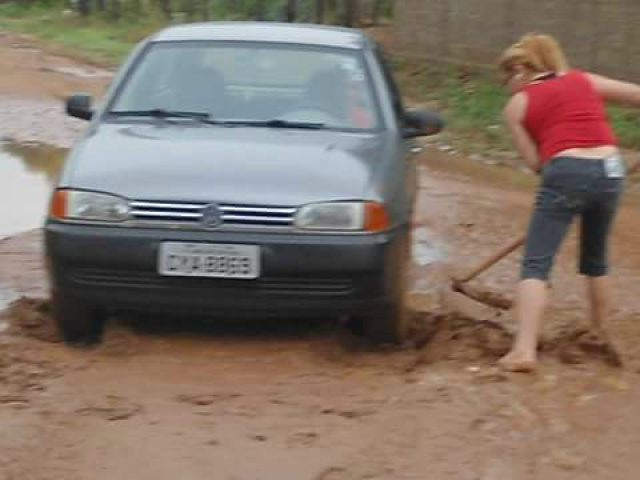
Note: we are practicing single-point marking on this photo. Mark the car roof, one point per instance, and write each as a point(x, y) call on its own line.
point(295, 33)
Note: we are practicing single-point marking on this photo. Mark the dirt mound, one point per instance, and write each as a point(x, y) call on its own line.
point(581, 346)
point(119, 338)
point(32, 317)
point(455, 337)
point(459, 338)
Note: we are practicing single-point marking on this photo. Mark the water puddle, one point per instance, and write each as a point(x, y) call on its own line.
point(6, 297)
point(27, 173)
point(426, 248)
point(429, 255)
point(79, 72)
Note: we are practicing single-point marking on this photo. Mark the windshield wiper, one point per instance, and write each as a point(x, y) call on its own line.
point(274, 123)
point(163, 114)
point(206, 118)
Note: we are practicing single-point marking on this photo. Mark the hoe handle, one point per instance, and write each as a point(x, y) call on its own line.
point(487, 262)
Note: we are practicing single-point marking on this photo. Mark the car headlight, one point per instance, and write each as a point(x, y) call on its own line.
point(343, 216)
point(92, 206)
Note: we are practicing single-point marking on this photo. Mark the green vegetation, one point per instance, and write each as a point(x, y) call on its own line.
point(96, 39)
point(105, 30)
point(471, 98)
point(627, 126)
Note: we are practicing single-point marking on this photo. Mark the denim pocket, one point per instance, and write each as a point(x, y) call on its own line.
point(572, 187)
point(571, 176)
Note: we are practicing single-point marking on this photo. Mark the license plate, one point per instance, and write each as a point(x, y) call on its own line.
point(209, 260)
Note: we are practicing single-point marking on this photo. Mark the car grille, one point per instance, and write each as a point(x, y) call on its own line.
point(119, 278)
point(192, 214)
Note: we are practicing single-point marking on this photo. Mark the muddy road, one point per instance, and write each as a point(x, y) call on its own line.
point(167, 398)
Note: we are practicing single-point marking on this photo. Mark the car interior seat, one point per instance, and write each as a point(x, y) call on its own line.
point(327, 90)
point(200, 88)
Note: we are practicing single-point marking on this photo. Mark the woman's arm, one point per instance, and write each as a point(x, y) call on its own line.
point(514, 116)
point(615, 90)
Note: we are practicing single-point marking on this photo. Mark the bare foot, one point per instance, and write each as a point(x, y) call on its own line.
point(515, 361)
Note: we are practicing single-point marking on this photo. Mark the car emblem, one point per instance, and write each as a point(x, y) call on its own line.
point(211, 215)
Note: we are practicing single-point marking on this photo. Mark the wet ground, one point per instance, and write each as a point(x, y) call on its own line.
point(27, 172)
point(182, 398)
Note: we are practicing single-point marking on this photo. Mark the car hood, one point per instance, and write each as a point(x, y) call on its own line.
point(226, 164)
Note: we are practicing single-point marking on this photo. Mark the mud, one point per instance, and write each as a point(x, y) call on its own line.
point(34, 84)
point(32, 318)
point(21, 372)
point(177, 397)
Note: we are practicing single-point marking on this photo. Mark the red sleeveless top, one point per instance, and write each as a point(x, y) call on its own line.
point(566, 112)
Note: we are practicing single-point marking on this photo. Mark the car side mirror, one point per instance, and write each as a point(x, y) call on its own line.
point(421, 122)
point(79, 106)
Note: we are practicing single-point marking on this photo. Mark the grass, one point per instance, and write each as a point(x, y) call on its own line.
point(471, 98)
point(626, 123)
point(97, 39)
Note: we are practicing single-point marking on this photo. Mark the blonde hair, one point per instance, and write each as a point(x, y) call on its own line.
point(536, 52)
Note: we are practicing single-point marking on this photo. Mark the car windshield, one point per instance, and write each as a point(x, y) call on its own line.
point(256, 84)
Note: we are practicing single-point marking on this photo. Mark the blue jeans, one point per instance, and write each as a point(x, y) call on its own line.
point(571, 187)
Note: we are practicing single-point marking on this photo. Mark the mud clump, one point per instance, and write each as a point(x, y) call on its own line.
point(455, 337)
point(32, 318)
point(458, 338)
point(581, 346)
point(21, 372)
point(118, 339)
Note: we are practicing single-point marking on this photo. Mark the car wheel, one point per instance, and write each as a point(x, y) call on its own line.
point(77, 322)
point(390, 324)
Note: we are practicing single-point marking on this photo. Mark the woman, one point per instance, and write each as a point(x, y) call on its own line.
point(558, 122)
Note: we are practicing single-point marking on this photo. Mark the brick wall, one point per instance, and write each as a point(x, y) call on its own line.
point(599, 35)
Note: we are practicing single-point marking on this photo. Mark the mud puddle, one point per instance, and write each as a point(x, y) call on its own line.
point(27, 172)
point(77, 71)
point(6, 297)
point(38, 121)
point(427, 248)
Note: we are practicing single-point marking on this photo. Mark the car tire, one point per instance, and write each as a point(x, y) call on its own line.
point(77, 322)
point(390, 324)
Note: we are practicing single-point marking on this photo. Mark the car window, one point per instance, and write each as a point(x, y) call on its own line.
point(396, 97)
point(249, 81)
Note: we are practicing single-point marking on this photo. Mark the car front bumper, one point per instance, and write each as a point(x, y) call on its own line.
point(301, 274)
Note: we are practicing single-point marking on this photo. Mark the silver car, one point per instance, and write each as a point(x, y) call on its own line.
point(238, 169)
